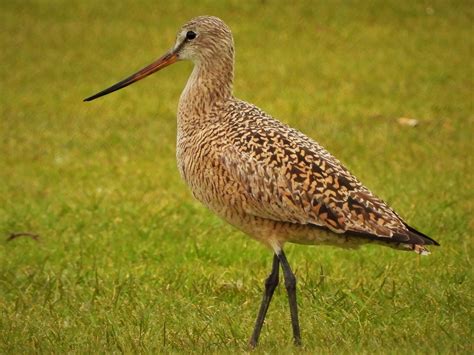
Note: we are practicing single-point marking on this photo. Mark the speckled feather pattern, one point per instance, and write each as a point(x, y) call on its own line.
point(268, 179)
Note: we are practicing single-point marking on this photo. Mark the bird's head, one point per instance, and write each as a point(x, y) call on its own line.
point(205, 40)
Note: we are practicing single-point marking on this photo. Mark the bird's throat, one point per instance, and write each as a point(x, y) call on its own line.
point(206, 87)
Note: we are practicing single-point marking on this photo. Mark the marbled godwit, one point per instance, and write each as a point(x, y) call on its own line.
point(267, 179)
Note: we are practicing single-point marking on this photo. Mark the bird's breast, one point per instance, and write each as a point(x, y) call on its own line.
point(199, 160)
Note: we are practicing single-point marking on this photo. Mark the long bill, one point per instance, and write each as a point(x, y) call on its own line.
point(168, 59)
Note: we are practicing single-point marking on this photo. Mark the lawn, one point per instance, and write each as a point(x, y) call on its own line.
point(128, 261)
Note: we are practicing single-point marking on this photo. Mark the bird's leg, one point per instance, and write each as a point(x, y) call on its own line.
point(290, 284)
point(270, 284)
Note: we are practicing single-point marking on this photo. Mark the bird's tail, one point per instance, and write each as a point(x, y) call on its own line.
point(420, 248)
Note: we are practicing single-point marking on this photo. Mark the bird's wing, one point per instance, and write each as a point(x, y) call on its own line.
point(288, 177)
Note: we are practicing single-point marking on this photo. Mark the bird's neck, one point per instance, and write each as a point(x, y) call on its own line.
point(209, 85)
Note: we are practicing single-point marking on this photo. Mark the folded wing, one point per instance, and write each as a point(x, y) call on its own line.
point(288, 177)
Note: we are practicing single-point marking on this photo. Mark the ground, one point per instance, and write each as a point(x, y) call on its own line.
point(128, 261)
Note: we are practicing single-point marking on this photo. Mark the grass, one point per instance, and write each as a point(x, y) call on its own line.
point(127, 261)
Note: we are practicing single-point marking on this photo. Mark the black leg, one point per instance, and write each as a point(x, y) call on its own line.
point(270, 284)
point(290, 284)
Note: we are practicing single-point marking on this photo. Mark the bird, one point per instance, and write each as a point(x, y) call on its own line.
point(269, 180)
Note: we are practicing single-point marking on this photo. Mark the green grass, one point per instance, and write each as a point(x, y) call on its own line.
point(128, 261)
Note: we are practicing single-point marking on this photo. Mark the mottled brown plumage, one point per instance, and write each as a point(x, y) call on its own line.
point(264, 177)
point(270, 180)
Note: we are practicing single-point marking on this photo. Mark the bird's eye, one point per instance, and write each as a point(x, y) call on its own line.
point(190, 35)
